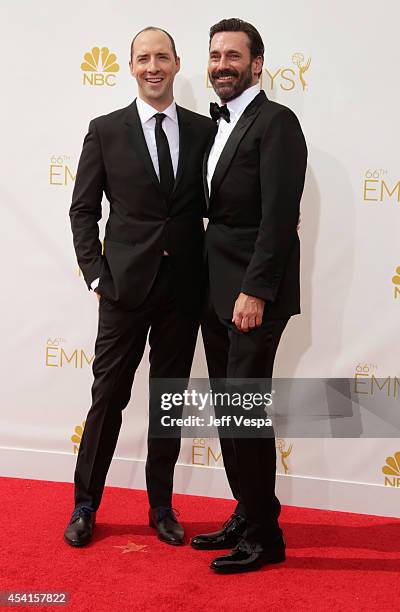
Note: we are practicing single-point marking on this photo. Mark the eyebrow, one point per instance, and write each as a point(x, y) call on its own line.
point(229, 51)
point(140, 55)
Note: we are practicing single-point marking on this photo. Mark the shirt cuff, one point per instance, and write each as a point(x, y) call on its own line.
point(94, 284)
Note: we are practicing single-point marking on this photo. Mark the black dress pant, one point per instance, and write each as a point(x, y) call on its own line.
point(250, 463)
point(119, 348)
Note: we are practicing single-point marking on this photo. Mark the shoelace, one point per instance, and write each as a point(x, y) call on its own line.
point(162, 512)
point(82, 511)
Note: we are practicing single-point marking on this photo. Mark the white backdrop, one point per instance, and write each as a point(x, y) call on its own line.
point(346, 97)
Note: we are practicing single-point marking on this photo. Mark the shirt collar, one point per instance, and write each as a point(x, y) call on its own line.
point(237, 105)
point(146, 111)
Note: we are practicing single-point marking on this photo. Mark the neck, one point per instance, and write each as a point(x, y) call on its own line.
point(159, 105)
point(226, 100)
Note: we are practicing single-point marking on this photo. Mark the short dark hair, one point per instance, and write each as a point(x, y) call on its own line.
point(155, 29)
point(234, 24)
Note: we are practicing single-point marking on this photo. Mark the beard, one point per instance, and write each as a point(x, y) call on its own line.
point(231, 90)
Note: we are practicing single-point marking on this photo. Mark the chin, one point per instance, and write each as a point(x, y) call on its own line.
point(224, 92)
point(155, 94)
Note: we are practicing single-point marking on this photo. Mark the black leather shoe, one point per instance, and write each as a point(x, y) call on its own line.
point(166, 523)
point(247, 557)
point(228, 537)
point(79, 530)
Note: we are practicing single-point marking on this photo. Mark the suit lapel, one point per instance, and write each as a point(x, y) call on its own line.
point(138, 140)
point(230, 148)
point(185, 137)
point(205, 162)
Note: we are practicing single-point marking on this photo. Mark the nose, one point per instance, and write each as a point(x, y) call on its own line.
point(153, 65)
point(223, 63)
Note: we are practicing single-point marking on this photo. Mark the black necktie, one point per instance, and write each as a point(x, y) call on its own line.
point(217, 111)
point(164, 157)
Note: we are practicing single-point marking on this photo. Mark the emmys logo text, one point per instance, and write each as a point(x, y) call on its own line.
point(57, 356)
point(285, 78)
point(367, 383)
point(288, 78)
point(379, 187)
point(206, 451)
point(60, 171)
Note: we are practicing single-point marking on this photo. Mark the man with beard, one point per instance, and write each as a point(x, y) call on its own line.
point(254, 178)
point(147, 159)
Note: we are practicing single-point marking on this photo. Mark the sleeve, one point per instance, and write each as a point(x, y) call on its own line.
point(94, 284)
point(283, 160)
point(85, 211)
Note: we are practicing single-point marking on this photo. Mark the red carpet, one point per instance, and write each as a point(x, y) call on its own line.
point(336, 561)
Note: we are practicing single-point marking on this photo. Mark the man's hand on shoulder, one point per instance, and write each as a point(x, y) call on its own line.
point(248, 312)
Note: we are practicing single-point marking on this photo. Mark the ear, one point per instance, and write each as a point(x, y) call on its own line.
point(258, 63)
point(131, 69)
point(178, 64)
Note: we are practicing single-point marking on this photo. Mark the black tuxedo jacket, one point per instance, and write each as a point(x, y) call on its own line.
point(142, 223)
point(252, 243)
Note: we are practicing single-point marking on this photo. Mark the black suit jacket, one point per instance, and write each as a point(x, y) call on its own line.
point(252, 243)
point(142, 223)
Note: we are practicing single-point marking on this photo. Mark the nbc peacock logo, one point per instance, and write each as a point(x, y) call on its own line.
point(99, 67)
point(396, 283)
point(392, 471)
point(77, 437)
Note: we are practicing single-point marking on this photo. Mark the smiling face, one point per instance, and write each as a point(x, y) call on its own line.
point(230, 67)
point(154, 67)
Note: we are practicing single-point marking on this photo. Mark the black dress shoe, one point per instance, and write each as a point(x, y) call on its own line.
point(79, 530)
point(228, 537)
point(247, 557)
point(166, 523)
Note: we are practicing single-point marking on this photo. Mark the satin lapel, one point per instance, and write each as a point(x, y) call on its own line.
point(234, 139)
point(138, 140)
point(205, 182)
point(185, 136)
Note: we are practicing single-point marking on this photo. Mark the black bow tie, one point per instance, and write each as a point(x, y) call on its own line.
point(217, 111)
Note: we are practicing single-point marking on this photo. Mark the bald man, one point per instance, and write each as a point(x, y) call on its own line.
point(146, 159)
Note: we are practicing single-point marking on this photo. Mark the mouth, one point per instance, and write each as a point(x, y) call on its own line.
point(223, 80)
point(154, 80)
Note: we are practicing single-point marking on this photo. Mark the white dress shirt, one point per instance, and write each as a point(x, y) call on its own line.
point(171, 128)
point(236, 108)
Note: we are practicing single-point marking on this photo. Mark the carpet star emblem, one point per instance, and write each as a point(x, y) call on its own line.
point(132, 547)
